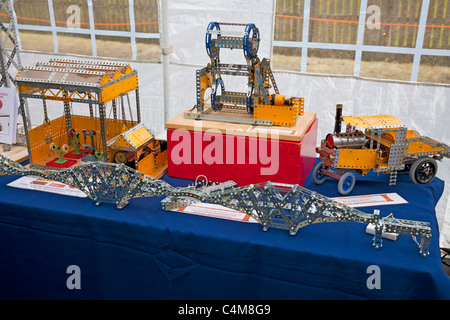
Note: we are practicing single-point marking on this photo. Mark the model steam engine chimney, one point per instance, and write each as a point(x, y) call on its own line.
point(337, 124)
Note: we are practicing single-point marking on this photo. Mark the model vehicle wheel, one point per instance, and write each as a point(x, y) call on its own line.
point(346, 183)
point(423, 170)
point(120, 157)
point(317, 175)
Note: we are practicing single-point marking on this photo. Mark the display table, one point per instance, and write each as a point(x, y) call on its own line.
point(142, 252)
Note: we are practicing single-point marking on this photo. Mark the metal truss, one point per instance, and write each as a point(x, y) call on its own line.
point(12, 58)
point(273, 205)
point(10, 62)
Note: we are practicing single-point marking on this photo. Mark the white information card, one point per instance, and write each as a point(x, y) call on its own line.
point(8, 115)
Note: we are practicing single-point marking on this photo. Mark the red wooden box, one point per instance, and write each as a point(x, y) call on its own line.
point(242, 153)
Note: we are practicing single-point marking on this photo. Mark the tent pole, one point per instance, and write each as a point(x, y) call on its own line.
point(166, 51)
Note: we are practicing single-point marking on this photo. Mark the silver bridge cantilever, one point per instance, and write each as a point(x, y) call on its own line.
point(273, 205)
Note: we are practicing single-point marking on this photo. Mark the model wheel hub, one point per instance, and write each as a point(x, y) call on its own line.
point(425, 172)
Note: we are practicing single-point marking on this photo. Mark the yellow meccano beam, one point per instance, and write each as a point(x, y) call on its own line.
point(77, 81)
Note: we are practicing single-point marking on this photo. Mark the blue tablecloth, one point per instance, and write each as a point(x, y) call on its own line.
point(142, 252)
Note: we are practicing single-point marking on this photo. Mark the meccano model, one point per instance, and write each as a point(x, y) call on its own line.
point(80, 134)
point(273, 205)
point(257, 105)
point(381, 143)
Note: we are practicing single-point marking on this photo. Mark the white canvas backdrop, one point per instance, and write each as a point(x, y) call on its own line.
point(421, 106)
point(188, 21)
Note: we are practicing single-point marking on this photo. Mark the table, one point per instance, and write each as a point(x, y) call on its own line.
point(142, 252)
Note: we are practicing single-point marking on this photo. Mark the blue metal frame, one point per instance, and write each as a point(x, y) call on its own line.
point(214, 104)
point(208, 39)
point(249, 29)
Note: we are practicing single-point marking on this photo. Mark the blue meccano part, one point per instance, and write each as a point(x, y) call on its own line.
point(248, 43)
point(208, 39)
point(251, 32)
point(218, 84)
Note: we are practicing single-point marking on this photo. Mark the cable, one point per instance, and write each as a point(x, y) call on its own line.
point(196, 180)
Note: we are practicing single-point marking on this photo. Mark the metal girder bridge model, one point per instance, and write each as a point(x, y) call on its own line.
point(281, 206)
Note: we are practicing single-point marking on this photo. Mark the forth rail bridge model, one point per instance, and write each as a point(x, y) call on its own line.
point(282, 206)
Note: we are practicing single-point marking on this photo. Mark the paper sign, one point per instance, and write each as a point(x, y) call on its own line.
point(371, 200)
point(38, 184)
point(216, 211)
point(8, 115)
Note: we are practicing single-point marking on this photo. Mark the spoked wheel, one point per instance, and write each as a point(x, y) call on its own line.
point(423, 170)
point(317, 175)
point(346, 183)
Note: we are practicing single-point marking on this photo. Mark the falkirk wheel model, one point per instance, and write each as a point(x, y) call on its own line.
point(261, 103)
point(282, 206)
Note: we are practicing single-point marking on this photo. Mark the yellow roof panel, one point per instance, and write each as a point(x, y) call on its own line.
point(132, 139)
point(139, 137)
point(373, 122)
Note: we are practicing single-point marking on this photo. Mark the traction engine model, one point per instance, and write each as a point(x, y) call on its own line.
point(381, 143)
point(255, 106)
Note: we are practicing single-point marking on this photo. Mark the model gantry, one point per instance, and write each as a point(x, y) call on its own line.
point(88, 134)
point(257, 105)
point(381, 143)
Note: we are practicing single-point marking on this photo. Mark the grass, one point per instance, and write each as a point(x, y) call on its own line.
point(107, 47)
point(113, 48)
point(369, 69)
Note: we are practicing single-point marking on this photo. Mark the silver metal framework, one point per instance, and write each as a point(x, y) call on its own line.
point(258, 73)
point(273, 205)
point(10, 62)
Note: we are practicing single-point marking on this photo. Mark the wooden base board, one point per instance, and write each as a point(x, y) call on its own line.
point(295, 133)
point(243, 159)
point(17, 153)
point(160, 171)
